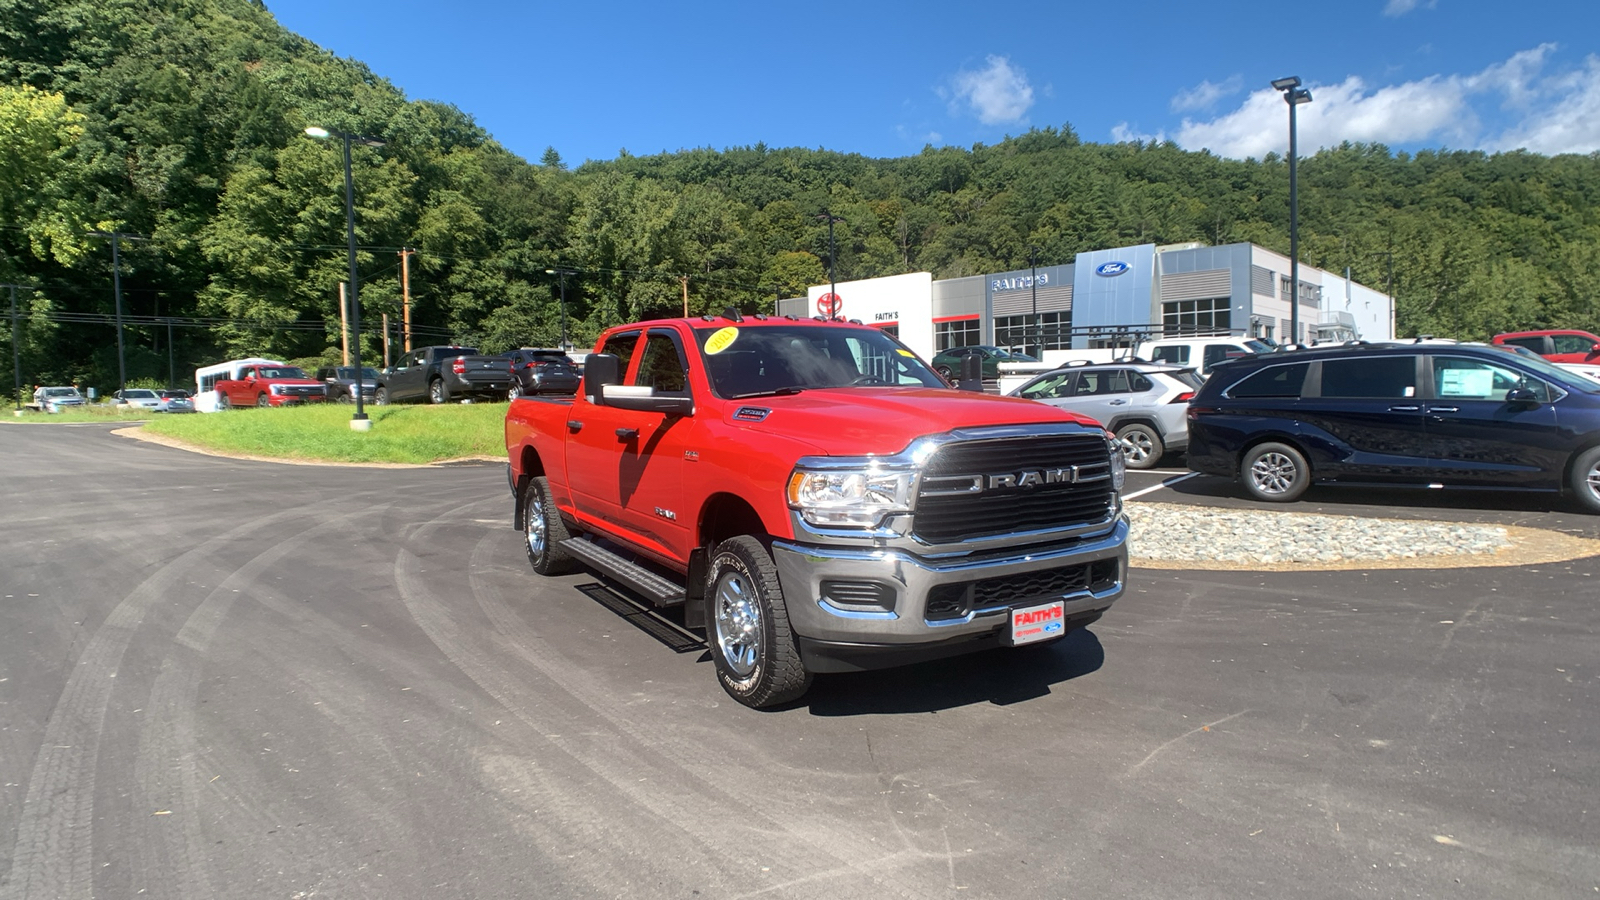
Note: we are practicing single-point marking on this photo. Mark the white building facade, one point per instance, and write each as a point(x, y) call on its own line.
point(1110, 297)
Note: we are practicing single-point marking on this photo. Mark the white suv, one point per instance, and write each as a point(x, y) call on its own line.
point(1145, 404)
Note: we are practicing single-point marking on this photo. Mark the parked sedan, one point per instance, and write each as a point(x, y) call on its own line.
point(137, 398)
point(1144, 404)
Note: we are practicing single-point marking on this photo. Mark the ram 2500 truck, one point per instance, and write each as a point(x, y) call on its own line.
point(817, 498)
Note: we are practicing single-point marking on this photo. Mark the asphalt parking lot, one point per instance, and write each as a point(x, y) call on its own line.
point(246, 679)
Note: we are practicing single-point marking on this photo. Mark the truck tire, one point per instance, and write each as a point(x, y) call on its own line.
point(381, 396)
point(1275, 472)
point(262, 402)
point(543, 529)
point(437, 392)
point(1141, 445)
point(747, 627)
point(223, 402)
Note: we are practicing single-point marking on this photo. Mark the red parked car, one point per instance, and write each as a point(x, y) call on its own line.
point(1559, 345)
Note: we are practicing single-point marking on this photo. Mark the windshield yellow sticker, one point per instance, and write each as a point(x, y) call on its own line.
point(721, 340)
point(905, 353)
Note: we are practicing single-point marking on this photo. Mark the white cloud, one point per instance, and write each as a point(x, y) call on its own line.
point(997, 94)
point(1205, 94)
point(1401, 7)
point(1124, 133)
point(1548, 114)
point(1568, 122)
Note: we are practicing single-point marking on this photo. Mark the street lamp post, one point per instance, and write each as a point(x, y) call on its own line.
point(1294, 95)
point(1033, 282)
point(359, 422)
point(562, 274)
point(833, 291)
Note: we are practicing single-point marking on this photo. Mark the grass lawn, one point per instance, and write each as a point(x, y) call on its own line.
point(321, 432)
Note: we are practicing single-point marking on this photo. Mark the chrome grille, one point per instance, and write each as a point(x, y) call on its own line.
point(953, 517)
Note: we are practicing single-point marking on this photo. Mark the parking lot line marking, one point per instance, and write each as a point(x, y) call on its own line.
point(1168, 483)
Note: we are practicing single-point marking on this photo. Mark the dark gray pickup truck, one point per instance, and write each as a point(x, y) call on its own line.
point(443, 374)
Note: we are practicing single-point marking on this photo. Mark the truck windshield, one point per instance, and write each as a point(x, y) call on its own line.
point(772, 359)
point(280, 372)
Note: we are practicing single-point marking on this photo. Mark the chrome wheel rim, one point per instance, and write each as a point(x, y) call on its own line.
point(1593, 480)
point(738, 622)
point(1137, 446)
point(1273, 473)
point(436, 392)
point(534, 525)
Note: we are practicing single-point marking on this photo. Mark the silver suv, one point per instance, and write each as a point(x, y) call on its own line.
point(1145, 404)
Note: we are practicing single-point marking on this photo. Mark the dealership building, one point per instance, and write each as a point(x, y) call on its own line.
point(1109, 297)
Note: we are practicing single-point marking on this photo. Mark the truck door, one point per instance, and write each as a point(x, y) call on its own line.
point(405, 381)
point(594, 449)
point(650, 470)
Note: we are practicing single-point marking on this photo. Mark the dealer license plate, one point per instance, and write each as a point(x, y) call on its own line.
point(1036, 623)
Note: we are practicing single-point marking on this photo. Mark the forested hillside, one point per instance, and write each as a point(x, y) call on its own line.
point(180, 123)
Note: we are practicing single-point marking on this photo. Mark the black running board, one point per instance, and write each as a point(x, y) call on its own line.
point(635, 577)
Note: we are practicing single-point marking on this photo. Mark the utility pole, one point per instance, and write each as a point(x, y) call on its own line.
point(405, 299)
point(344, 325)
point(116, 282)
point(16, 348)
point(172, 367)
point(386, 340)
point(562, 274)
point(684, 279)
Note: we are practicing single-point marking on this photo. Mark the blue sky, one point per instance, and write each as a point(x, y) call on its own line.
point(885, 79)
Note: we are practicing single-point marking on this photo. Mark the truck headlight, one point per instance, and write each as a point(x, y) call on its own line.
point(275, 389)
point(1119, 463)
point(858, 498)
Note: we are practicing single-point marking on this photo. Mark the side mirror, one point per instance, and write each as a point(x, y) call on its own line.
point(644, 399)
point(1522, 396)
point(599, 370)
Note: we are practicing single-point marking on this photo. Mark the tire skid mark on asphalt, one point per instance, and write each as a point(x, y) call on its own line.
point(53, 857)
point(681, 760)
point(166, 773)
point(660, 800)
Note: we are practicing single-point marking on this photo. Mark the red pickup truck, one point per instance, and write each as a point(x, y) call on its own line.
point(269, 385)
point(817, 498)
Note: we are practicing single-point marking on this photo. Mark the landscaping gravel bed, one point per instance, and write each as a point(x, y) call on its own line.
point(1169, 532)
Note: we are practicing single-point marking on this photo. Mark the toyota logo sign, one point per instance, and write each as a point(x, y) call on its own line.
point(829, 305)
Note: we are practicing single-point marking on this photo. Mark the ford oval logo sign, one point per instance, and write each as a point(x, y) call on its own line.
point(1111, 269)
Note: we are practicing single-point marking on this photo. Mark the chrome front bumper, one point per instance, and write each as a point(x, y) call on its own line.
point(803, 569)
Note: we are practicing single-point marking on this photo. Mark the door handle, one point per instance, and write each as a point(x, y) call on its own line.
point(1404, 408)
point(1117, 403)
point(628, 434)
point(574, 425)
point(1443, 409)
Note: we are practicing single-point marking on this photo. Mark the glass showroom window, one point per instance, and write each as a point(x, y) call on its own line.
point(1017, 332)
point(961, 333)
point(1180, 317)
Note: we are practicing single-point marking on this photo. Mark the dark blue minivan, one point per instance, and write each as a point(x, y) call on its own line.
point(1439, 415)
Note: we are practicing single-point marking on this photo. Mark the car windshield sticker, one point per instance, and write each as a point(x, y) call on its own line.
point(904, 352)
point(1466, 383)
point(721, 340)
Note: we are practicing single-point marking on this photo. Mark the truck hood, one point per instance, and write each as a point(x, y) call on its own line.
point(881, 421)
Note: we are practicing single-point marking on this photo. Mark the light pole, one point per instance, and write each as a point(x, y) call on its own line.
point(562, 275)
point(359, 422)
point(833, 291)
point(1294, 95)
point(1033, 282)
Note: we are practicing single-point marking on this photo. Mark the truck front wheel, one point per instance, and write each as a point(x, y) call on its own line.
point(756, 657)
point(544, 530)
